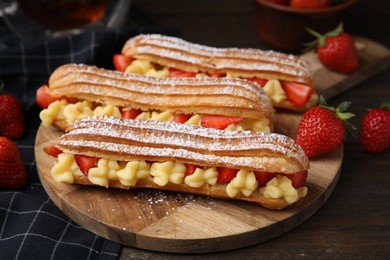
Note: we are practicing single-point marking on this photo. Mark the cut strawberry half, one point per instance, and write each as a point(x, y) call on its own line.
point(216, 74)
point(121, 62)
point(175, 73)
point(264, 177)
point(86, 162)
point(190, 169)
point(44, 99)
point(298, 179)
point(219, 122)
point(181, 118)
point(260, 81)
point(52, 150)
point(226, 174)
point(297, 93)
point(131, 113)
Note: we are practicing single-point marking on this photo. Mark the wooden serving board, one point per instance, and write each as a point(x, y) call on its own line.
point(182, 223)
point(172, 222)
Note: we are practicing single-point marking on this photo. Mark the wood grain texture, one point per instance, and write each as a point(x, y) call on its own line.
point(183, 223)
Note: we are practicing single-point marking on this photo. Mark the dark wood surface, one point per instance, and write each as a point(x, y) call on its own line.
point(355, 221)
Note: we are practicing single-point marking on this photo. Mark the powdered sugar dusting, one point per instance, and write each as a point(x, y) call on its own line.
point(217, 58)
point(158, 139)
point(167, 92)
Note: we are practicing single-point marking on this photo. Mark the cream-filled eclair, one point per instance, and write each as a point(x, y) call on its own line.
point(264, 168)
point(286, 79)
point(83, 90)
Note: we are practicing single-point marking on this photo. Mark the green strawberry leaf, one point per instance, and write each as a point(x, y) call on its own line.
point(320, 38)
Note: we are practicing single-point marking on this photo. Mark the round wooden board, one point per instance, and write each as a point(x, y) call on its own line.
point(183, 223)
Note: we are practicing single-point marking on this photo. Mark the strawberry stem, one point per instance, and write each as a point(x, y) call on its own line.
point(320, 39)
point(1, 84)
point(339, 111)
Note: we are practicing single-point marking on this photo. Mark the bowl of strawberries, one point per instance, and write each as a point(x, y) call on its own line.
point(282, 23)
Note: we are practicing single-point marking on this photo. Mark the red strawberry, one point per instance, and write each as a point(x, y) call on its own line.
point(121, 62)
point(216, 74)
point(180, 118)
point(310, 4)
point(264, 177)
point(322, 128)
point(336, 50)
point(11, 119)
point(260, 81)
point(190, 169)
point(376, 129)
point(218, 122)
point(131, 113)
point(298, 179)
point(297, 93)
point(85, 163)
point(12, 172)
point(52, 151)
point(175, 73)
point(44, 99)
point(225, 175)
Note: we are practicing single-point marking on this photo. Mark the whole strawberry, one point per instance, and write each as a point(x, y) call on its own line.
point(376, 129)
point(322, 128)
point(11, 119)
point(310, 4)
point(336, 50)
point(12, 172)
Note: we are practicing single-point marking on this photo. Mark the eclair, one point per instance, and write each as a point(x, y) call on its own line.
point(82, 90)
point(286, 79)
point(264, 168)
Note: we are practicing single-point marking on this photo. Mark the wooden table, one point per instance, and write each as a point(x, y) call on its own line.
point(355, 221)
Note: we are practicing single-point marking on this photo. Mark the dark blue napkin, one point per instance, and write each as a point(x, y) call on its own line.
point(30, 223)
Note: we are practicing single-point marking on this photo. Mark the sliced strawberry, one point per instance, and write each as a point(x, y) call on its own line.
point(121, 62)
point(216, 74)
point(181, 118)
point(86, 162)
point(52, 150)
point(226, 174)
point(190, 169)
point(131, 113)
point(264, 177)
point(260, 81)
point(298, 179)
point(297, 93)
point(218, 122)
point(175, 73)
point(44, 99)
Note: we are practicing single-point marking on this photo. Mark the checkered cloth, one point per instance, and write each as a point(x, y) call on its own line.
point(31, 225)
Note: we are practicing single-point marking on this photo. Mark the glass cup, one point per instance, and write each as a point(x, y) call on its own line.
point(43, 19)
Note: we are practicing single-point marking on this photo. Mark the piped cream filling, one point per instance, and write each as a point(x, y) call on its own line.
point(162, 173)
point(273, 89)
point(62, 110)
